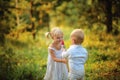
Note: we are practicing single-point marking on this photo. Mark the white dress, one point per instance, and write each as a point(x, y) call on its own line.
point(56, 70)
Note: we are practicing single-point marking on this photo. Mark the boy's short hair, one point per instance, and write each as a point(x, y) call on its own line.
point(78, 35)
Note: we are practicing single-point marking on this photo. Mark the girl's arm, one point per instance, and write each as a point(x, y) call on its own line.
point(52, 53)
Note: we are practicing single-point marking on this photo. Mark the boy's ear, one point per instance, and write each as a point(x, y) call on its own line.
point(73, 40)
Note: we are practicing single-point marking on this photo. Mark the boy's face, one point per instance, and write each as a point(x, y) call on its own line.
point(72, 39)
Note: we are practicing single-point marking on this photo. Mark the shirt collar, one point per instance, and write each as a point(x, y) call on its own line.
point(74, 45)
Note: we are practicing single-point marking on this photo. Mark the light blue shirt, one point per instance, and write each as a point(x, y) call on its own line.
point(77, 56)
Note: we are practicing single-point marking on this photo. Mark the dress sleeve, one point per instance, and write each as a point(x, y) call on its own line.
point(51, 48)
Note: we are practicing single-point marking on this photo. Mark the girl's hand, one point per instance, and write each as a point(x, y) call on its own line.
point(63, 49)
point(64, 61)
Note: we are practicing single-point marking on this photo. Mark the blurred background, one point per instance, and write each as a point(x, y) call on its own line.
point(23, 46)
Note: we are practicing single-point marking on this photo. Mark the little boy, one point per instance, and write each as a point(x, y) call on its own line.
point(76, 55)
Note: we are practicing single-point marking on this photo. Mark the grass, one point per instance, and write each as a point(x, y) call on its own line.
point(26, 59)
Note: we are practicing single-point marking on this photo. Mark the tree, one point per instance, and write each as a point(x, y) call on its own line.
point(108, 7)
point(111, 10)
point(4, 20)
point(21, 15)
point(88, 12)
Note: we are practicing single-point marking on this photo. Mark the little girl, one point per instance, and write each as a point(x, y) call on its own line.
point(56, 67)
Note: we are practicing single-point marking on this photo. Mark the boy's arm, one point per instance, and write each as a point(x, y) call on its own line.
point(52, 53)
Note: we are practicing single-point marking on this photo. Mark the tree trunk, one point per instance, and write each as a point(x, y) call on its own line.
point(32, 22)
point(17, 15)
point(109, 15)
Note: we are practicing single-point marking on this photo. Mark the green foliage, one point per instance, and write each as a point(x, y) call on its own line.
point(22, 58)
point(33, 15)
point(103, 61)
point(20, 62)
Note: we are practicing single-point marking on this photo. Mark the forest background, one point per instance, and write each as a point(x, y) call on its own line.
point(23, 46)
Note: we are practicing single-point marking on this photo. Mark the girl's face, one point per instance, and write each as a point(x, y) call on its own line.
point(58, 38)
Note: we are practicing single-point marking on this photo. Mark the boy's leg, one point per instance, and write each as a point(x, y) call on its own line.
point(81, 78)
point(72, 76)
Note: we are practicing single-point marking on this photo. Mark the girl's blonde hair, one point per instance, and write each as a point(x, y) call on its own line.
point(54, 32)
